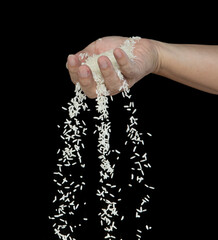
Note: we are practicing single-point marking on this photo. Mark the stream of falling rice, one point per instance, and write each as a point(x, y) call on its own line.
point(68, 201)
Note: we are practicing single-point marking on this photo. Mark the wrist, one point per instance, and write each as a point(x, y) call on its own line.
point(157, 48)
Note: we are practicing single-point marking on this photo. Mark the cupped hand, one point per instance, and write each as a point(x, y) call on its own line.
point(146, 62)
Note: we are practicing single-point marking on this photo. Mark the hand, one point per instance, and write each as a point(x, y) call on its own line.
point(147, 61)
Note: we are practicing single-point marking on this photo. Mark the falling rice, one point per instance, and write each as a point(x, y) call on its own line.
point(68, 189)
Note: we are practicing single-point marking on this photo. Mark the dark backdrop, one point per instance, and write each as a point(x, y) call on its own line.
point(183, 120)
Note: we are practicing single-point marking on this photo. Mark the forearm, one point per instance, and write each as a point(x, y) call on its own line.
point(192, 65)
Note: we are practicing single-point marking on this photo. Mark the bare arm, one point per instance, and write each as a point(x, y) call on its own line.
point(192, 65)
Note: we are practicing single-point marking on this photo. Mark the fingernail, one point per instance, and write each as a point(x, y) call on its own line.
point(72, 61)
point(103, 64)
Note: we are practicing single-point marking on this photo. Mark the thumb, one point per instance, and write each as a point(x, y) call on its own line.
point(126, 65)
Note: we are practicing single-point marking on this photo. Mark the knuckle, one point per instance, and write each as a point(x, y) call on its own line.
point(128, 71)
point(84, 82)
point(108, 73)
point(72, 69)
point(123, 62)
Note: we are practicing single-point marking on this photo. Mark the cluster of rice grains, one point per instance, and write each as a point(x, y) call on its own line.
point(69, 176)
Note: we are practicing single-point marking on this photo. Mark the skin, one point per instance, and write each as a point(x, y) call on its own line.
point(192, 65)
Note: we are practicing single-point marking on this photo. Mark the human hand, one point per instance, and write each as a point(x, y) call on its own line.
point(146, 61)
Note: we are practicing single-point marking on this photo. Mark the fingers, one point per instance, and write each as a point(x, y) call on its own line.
point(72, 65)
point(111, 79)
point(86, 81)
point(83, 75)
point(126, 65)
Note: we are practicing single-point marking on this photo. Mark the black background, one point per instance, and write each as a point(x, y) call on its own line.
point(183, 120)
